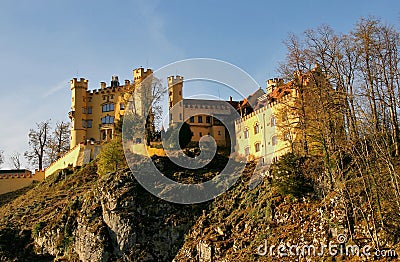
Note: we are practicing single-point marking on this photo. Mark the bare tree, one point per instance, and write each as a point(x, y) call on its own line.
point(58, 143)
point(38, 141)
point(15, 160)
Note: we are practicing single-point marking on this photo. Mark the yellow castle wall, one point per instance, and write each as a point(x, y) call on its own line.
point(11, 183)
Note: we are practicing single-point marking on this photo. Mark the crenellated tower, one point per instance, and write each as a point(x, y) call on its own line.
point(273, 83)
point(175, 86)
point(142, 80)
point(77, 113)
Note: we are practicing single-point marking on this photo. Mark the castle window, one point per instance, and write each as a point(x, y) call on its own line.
point(89, 123)
point(246, 133)
point(208, 119)
point(84, 123)
point(247, 151)
point(256, 129)
point(122, 106)
point(219, 132)
point(274, 140)
point(89, 110)
point(273, 121)
point(108, 107)
point(180, 116)
point(107, 120)
point(200, 134)
point(257, 147)
point(191, 119)
point(83, 110)
point(200, 119)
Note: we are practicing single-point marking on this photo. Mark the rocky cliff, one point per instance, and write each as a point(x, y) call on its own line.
point(81, 216)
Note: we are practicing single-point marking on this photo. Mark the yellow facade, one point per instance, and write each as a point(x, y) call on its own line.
point(203, 116)
point(262, 134)
point(95, 113)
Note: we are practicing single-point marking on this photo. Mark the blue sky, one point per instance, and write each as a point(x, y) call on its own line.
point(46, 43)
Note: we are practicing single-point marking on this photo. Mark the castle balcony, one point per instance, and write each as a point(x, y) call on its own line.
point(107, 126)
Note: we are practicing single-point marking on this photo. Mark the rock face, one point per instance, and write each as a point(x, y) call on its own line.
point(118, 219)
point(84, 217)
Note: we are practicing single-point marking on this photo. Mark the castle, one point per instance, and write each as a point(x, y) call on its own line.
point(265, 127)
point(95, 113)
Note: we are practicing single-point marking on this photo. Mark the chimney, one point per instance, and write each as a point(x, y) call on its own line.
point(103, 85)
point(230, 98)
point(127, 83)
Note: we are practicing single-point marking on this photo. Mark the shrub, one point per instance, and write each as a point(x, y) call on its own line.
point(111, 157)
point(289, 177)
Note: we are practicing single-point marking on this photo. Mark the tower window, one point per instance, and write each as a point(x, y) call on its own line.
point(107, 120)
point(257, 147)
point(89, 123)
point(121, 106)
point(219, 132)
point(200, 134)
point(89, 110)
point(200, 119)
point(107, 107)
point(180, 116)
point(191, 119)
point(208, 119)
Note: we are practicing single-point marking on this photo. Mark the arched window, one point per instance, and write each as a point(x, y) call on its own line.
point(246, 133)
point(247, 151)
point(274, 140)
point(257, 147)
point(273, 121)
point(256, 128)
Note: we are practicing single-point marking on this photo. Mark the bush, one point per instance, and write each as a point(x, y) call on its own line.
point(289, 177)
point(111, 157)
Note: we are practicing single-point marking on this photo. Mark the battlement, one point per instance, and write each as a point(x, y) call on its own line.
point(273, 83)
point(82, 83)
point(141, 73)
point(173, 80)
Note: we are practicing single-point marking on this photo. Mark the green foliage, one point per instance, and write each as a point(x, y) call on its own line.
point(289, 178)
point(111, 157)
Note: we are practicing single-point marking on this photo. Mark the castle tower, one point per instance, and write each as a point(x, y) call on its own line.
point(78, 111)
point(273, 83)
point(175, 85)
point(142, 80)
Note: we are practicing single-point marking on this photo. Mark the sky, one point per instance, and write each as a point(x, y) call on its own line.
point(44, 44)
